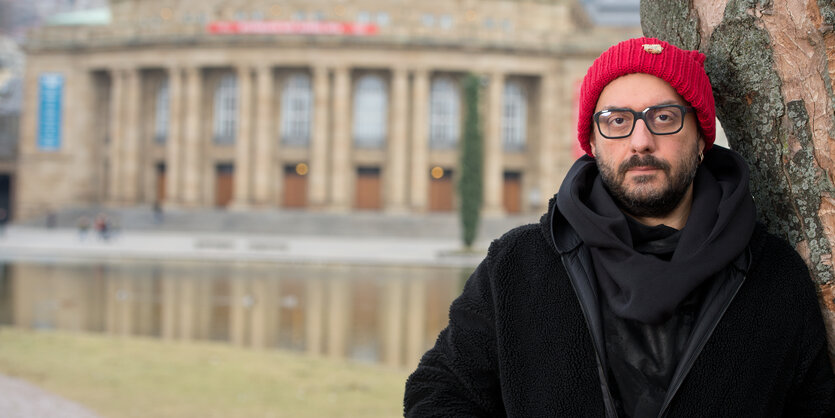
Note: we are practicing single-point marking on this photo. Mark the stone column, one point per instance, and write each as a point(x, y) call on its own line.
point(264, 177)
point(420, 141)
point(415, 321)
point(117, 91)
point(144, 305)
point(203, 304)
point(314, 316)
point(339, 317)
point(237, 311)
point(393, 316)
point(318, 177)
point(243, 140)
point(174, 145)
point(548, 139)
point(341, 175)
point(192, 147)
point(169, 308)
point(131, 178)
point(187, 308)
point(396, 168)
point(111, 309)
point(493, 150)
point(263, 326)
point(124, 301)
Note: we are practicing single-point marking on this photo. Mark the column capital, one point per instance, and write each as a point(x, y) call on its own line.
point(342, 69)
point(124, 71)
point(493, 78)
point(244, 70)
point(192, 70)
point(320, 70)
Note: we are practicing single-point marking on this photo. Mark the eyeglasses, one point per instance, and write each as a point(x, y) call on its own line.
point(660, 120)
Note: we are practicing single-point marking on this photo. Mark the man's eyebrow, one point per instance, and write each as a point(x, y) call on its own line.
point(665, 102)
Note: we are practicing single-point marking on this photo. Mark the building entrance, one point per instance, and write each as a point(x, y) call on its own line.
point(160, 169)
point(5, 198)
point(441, 190)
point(368, 188)
point(512, 191)
point(295, 186)
point(224, 184)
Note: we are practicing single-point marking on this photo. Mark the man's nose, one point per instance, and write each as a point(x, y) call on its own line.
point(642, 140)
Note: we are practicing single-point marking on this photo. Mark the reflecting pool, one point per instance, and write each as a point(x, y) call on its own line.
point(389, 315)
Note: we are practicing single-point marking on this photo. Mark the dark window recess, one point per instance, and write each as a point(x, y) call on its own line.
point(225, 168)
point(513, 175)
point(368, 171)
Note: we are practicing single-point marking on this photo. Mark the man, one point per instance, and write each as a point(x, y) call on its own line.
point(649, 289)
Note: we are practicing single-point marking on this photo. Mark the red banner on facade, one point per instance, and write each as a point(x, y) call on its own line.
point(292, 28)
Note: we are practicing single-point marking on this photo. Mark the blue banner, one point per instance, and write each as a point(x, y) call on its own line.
point(51, 94)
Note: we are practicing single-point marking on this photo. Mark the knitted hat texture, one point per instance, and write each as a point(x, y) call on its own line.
point(683, 69)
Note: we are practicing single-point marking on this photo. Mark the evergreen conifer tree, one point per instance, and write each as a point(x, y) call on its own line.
point(470, 187)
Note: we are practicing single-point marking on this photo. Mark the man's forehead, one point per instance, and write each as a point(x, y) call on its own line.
point(638, 91)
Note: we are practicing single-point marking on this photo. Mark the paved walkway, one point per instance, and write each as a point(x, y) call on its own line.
point(271, 236)
point(19, 399)
point(31, 243)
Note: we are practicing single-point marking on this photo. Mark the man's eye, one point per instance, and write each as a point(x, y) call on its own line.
point(616, 121)
point(665, 117)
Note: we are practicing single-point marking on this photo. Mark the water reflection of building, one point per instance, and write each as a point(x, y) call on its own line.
point(380, 314)
point(328, 105)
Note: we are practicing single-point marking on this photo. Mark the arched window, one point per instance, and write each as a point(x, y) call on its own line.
point(514, 116)
point(370, 104)
point(444, 118)
point(161, 113)
point(296, 110)
point(226, 109)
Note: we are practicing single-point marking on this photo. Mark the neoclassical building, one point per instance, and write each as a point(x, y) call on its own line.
point(315, 105)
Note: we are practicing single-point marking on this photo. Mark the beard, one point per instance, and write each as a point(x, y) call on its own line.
point(642, 200)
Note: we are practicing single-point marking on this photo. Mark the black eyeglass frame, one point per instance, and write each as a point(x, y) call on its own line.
point(642, 116)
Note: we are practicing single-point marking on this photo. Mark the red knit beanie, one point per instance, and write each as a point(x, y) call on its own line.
point(683, 69)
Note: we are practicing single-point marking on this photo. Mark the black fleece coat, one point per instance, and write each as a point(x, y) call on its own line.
point(517, 343)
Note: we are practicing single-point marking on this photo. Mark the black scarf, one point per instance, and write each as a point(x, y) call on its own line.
point(644, 287)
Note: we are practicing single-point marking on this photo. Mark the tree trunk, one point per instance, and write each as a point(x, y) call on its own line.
point(772, 65)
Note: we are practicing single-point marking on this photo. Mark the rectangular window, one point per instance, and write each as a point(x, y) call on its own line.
point(161, 114)
point(444, 114)
point(226, 110)
point(296, 110)
point(370, 112)
point(514, 117)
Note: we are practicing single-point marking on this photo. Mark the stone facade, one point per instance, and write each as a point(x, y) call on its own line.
point(112, 151)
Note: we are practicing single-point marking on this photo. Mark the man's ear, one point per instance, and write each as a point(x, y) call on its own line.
point(594, 149)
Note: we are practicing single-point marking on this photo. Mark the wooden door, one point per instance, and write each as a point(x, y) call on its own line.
point(224, 185)
point(441, 192)
point(512, 192)
point(160, 183)
point(295, 188)
point(368, 189)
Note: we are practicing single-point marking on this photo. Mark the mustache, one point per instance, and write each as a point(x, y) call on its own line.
point(645, 161)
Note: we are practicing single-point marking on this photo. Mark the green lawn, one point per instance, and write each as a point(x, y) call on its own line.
point(139, 377)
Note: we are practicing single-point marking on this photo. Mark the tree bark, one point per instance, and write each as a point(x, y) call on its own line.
point(772, 65)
